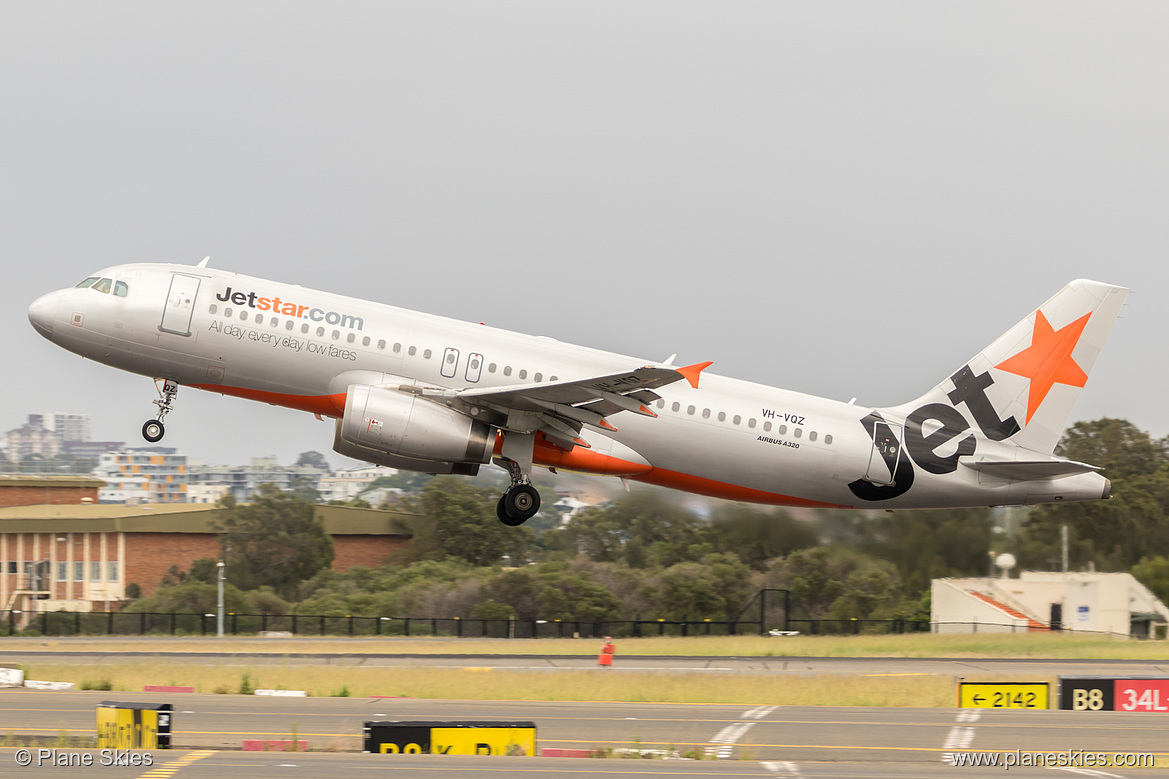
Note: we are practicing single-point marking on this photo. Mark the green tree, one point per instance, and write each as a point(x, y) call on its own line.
point(1116, 445)
point(1153, 572)
point(275, 540)
point(641, 528)
point(453, 517)
point(929, 544)
point(758, 535)
point(839, 582)
point(314, 460)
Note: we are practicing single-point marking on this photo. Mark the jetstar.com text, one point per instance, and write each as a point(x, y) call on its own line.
point(1071, 758)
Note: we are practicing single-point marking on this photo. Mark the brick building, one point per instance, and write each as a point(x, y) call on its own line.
point(37, 489)
point(82, 557)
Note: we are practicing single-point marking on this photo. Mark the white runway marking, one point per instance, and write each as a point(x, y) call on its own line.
point(960, 738)
point(759, 713)
point(724, 740)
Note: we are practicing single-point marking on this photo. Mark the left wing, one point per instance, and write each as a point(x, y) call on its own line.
point(559, 409)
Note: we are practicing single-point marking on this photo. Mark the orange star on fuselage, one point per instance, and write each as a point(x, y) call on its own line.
point(1048, 360)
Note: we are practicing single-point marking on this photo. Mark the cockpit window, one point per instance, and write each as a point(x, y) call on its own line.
point(120, 289)
point(103, 285)
point(87, 282)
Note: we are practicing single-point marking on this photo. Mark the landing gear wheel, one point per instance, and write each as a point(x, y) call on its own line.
point(519, 504)
point(501, 512)
point(153, 430)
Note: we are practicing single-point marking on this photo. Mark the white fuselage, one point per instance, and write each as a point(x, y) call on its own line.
point(727, 438)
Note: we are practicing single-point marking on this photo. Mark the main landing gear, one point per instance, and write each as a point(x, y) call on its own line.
point(521, 501)
point(153, 430)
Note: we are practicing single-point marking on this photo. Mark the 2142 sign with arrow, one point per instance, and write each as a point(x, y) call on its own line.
point(1002, 695)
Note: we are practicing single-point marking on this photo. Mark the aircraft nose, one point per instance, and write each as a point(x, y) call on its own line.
point(43, 313)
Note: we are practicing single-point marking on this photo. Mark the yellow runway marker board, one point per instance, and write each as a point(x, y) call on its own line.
point(1002, 695)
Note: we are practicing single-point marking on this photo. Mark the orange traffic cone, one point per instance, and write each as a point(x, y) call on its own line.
point(605, 659)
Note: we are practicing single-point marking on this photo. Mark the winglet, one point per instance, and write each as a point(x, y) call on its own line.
point(203, 264)
point(690, 372)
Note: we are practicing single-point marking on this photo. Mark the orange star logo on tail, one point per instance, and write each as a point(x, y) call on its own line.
point(1048, 360)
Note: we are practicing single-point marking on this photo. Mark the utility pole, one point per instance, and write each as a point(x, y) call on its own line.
point(219, 604)
point(1063, 544)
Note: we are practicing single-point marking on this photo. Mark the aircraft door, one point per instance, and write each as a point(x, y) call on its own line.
point(474, 366)
point(886, 453)
point(180, 304)
point(450, 363)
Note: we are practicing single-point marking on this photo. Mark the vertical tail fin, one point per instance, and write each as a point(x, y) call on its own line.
point(1022, 387)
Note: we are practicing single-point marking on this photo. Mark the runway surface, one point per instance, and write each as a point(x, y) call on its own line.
point(858, 666)
point(732, 740)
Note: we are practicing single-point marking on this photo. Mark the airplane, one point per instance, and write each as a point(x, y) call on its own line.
point(425, 393)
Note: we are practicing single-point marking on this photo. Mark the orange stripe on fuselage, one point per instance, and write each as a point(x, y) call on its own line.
point(717, 489)
point(325, 405)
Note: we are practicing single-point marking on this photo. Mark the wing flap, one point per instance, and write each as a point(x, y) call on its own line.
point(559, 408)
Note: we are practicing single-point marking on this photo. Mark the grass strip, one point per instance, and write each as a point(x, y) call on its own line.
point(499, 684)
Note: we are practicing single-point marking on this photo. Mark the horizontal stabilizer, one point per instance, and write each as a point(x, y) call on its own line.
point(1030, 470)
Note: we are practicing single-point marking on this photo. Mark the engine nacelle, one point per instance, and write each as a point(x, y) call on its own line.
point(409, 429)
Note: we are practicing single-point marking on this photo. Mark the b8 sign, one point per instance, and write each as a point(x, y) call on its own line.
point(1090, 693)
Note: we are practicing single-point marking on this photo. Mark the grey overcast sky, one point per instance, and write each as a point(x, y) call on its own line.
point(841, 198)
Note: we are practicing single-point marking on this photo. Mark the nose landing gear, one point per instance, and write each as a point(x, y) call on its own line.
point(153, 430)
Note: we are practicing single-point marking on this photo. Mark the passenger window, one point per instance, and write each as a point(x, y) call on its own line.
point(551, 378)
point(751, 422)
point(675, 406)
point(397, 348)
point(507, 370)
point(706, 413)
point(304, 328)
point(812, 436)
point(491, 368)
point(243, 316)
point(320, 332)
point(365, 341)
point(538, 377)
point(211, 309)
point(798, 432)
point(783, 429)
point(120, 289)
point(766, 427)
point(227, 312)
point(382, 344)
point(86, 282)
point(828, 440)
point(103, 285)
point(690, 410)
point(737, 419)
point(351, 338)
point(426, 355)
point(722, 416)
point(412, 351)
point(661, 403)
point(288, 325)
point(336, 335)
point(523, 374)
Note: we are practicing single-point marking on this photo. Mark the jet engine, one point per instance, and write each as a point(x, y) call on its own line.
point(393, 428)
